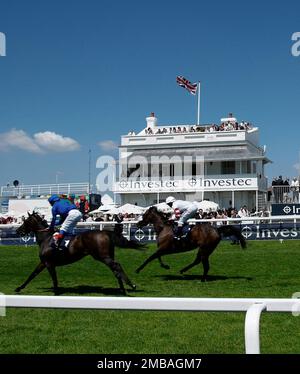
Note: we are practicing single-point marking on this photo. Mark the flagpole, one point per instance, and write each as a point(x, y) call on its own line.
point(198, 114)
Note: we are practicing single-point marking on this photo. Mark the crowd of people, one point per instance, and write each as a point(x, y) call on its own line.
point(8, 220)
point(224, 126)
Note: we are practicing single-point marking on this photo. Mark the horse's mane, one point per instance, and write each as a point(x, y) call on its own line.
point(162, 215)
point(40, 218)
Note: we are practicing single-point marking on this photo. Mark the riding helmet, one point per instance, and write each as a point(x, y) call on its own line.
point(170, 199)
point(53, 198)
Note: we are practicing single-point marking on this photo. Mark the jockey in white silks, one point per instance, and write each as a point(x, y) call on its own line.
point(182, 209)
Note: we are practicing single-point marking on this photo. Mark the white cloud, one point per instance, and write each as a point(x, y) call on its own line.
point(108, 145)
point(54, 142)
point(18, 139)
point(39, 143)
point(297, 167)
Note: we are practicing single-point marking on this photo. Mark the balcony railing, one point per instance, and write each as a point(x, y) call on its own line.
point(284, 195)
point(45, 189)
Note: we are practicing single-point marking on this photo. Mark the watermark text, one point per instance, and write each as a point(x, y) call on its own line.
point(2, 44)
point(295, 50)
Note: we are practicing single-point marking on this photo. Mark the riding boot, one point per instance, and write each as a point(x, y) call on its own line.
point(58, 238)
point(179, 232)
point(59, 241)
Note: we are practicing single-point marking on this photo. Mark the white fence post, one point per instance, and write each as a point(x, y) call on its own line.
point(252, 343)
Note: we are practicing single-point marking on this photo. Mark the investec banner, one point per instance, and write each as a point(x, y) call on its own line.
point(276, 231)
point(192, 184)
point(285, 209)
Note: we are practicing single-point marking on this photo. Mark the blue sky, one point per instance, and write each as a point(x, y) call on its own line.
point(78, 73)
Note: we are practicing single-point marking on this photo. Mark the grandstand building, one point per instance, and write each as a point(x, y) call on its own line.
point(223, 163)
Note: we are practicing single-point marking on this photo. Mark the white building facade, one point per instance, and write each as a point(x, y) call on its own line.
point(222, 163)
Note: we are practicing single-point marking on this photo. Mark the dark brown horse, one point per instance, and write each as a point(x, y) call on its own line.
point(98, 244)
point(203, 236)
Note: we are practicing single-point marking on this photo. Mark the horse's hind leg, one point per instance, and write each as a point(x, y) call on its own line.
point(119, 273)
point(205, 264)
point(198, 259)
point(35, 272)
point(194, 263)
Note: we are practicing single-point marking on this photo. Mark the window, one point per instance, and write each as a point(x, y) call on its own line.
point(172, 169)
point(194, 169)
point(228, 167)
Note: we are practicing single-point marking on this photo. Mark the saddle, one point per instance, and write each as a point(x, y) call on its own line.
point(185, 231)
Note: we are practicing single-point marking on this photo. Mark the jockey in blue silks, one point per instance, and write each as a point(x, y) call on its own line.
point(69, 217)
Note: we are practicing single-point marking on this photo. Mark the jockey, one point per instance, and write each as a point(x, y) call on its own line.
point(69, 216)
point(183, 210)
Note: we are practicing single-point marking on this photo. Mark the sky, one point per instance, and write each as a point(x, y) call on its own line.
point(79, 74)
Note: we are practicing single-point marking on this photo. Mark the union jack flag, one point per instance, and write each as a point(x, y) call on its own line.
point(191, 87)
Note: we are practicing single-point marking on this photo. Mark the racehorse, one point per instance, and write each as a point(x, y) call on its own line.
point(203, 236)
point(98, 244)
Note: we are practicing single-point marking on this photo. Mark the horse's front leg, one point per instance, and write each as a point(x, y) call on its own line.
point(35, 272)
point(52, 272)
point(118, 272)
point(154, 256)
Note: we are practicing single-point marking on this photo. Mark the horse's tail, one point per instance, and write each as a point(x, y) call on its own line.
point(229, 230)
point(123, 242)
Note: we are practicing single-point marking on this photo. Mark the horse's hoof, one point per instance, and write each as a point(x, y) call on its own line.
point(18, 289)
point(137, 271)
point(181, 271)
point(133, 286)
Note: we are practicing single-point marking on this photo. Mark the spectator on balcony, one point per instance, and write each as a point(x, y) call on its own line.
point(277, 185)
point(286, 190)
point(295, 190)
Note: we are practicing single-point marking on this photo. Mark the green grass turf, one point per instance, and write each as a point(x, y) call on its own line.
point(265, 269)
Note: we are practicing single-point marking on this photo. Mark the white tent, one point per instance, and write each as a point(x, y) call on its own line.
point(107, 200)
point(131, 209)
point(105, 207)
point(127, 208)
point(164, 208)
point(207, 206)
point(107, 204)
point(112, 211)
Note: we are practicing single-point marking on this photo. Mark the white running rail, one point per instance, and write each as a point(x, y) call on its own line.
point(252, 307)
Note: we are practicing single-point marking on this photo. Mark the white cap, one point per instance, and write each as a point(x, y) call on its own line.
point(170, 199)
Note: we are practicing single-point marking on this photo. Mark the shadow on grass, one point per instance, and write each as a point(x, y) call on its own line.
point(210, 278)
point(85, 289)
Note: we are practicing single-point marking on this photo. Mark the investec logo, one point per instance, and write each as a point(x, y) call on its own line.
point(192, 183)
point(148, 185)
point(258, 232)
point(2, 45)
point(288, 209)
